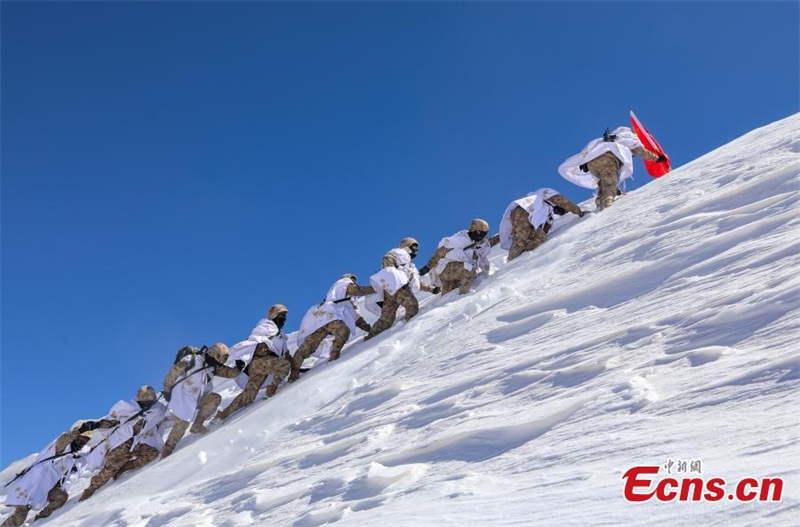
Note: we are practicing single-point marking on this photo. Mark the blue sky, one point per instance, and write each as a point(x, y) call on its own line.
point(169, 170)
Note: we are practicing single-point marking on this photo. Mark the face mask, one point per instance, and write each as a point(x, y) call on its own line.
point(146, 405)
point(280, 320)
point(413, 250)
point(477, 236)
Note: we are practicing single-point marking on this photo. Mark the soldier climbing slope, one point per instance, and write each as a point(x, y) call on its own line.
point(55, 469)
point(527, 221)
point(188, 390)
point(605, 162)
point(459, 257)
point(269, 356)
point(134, 442)
point(391, 284)
point(335, 316)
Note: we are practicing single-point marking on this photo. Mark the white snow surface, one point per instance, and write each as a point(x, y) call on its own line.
point(663, 328)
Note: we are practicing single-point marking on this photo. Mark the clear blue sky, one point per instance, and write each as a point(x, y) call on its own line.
point(169, 170)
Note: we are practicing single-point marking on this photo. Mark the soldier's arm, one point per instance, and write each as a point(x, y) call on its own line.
point(226, 371)
point(643, 153)
point(565, 203)
point(173, 374)
point(359, 290)
point(427, 288)
point(494, 240)
point(65, 439)
point(438, 255)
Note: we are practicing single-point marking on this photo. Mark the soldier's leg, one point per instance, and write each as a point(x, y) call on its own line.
point(388, 314)
point(465, 280)
point(248, 395)
point(521, 229)
point(340, 333)
point(56, 499)
point(310, 345)
point(18, 517)
point(175, 435)
point(407, 299)
point(279, 368)
point(363, 324)
point(451, 276)
point(608, 188)
point(114, 461)
point(142, 455)
point(537, 237)
point(605, 168)
point(206, 407)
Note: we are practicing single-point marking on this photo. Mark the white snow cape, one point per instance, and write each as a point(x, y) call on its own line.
point(265, 331)
point(389, 280)
point(621, 147)
point(196, 382)
point(405, 264)
point(32, 488)
point(334, 307)
point(392, 279)
point(151, 433)
point(539, 213)
point(464, 250)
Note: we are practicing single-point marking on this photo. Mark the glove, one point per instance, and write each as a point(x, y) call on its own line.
point(661, 159)
point(436, 290)
point(425, 270)
point(240, 364)
point(584, 167)
point(211, 361)
point(167, 395)
point(581, 213)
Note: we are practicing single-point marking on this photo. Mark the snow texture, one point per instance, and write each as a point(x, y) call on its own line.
point(663, 328)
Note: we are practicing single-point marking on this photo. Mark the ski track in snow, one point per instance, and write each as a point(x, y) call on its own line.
point(664, 327)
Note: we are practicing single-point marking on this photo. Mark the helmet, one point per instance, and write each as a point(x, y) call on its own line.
point(478, 225)
point(408, 242)
point(219, 351)
point(276, 310)
point(146, 393)
point(350, 276)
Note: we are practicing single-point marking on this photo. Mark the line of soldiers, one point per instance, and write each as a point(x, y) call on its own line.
point(131, 435)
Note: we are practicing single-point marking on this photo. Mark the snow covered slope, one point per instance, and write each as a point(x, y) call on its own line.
point(664, 328)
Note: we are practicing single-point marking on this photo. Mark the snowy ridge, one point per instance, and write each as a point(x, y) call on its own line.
point(665, 327)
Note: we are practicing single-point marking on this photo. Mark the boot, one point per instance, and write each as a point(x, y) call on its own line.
point(126, 467)
point(294, 374)
point(86, 494)
point(271, 389)
point(198, 428)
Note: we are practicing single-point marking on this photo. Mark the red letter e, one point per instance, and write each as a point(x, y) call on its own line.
point(632, 482)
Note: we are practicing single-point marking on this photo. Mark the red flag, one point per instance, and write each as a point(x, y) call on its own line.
point(654, 168)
